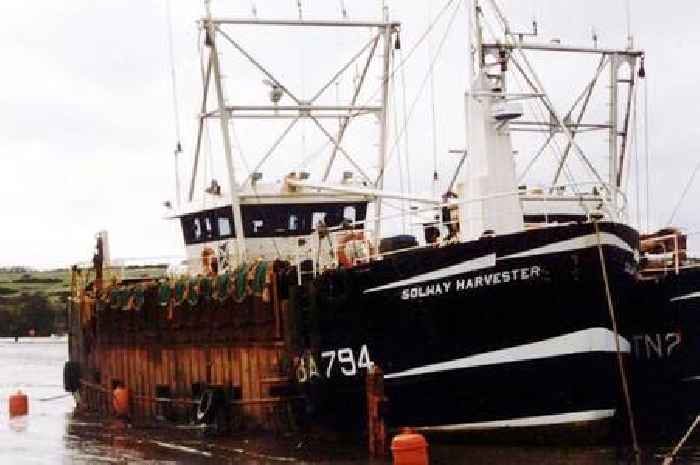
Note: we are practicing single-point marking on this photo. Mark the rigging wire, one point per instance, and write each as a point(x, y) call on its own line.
point(635, 133)
point(646, 153)
point(628, 16)
point(685, 192)
point(304, 121)
point(553, 144)
point(422, 86)
point(176, 110)
point(405, 122)
point(315, 154)
point(392, 86)
point(538, 108)
point(432, 108)
point(400, 66)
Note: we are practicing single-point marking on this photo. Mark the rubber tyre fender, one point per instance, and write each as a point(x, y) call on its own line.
point(210, 403)
point(71, 376)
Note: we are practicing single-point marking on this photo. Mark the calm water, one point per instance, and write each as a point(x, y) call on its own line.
point(51, 434)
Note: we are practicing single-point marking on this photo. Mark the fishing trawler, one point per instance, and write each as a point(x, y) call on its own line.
point(510, 311)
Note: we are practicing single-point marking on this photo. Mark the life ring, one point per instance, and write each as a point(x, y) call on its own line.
point(211, 407)
point(205, 405)
point(348, 240)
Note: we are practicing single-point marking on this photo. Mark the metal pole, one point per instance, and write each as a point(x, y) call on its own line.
point(304, 23)
point(345, 121)
point(233, 186)
point(206, 76)
point(612, 142)
point(383, 130)
point(584, 105)
point(178, 193)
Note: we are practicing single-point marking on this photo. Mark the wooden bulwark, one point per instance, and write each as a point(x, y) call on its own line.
point(156, 345)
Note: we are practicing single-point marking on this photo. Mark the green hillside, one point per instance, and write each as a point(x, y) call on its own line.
point(38, 300)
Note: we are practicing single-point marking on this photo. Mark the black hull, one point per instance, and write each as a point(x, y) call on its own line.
point(663, 327)
point(502, 333)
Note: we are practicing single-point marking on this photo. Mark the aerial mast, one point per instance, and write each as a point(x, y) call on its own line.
point(224, 120)
point(383, 120)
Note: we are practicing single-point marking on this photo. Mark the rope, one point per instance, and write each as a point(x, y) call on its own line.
point(685, 192)
point(405, 122)
point(420, 89)
point(414, 47)
point(537, 87)
point(176, 110)
point(620, 362)
point(431, 59)
point(636, 167)
point(668, 460)
point(646, 149)
point(398, 150)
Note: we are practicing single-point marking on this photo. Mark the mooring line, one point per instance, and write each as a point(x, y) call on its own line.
point(620, 362)
point(668, 460)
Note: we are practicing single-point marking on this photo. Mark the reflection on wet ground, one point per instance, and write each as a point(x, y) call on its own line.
point(51, 434)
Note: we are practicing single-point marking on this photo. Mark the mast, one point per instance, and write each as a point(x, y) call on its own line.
point(491, 169)
point(613, 131)
point(178, 190)
point(286, 105)
point(383, 121)
point(224, 120)
point(508, 51)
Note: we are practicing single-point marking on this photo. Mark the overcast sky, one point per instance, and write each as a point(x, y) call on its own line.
point(86, 111)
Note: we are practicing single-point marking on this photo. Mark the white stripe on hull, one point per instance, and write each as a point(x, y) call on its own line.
point(692, 295)
point(489, 261)
point(576, 243)
point(542, 420)
point(475, 264)
point(587, 340)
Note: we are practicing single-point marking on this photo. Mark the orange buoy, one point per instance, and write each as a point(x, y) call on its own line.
point(409, 448)
point(120, 401)
point(19, 404)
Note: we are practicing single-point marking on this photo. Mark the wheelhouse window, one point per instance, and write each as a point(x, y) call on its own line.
point(224, 227)
point(207, 226)
point(197, 229)
point(282, 220)
point(318, 219)
point(208, 229)
point(224, 223)
point(349, 213)
point(293, 223)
